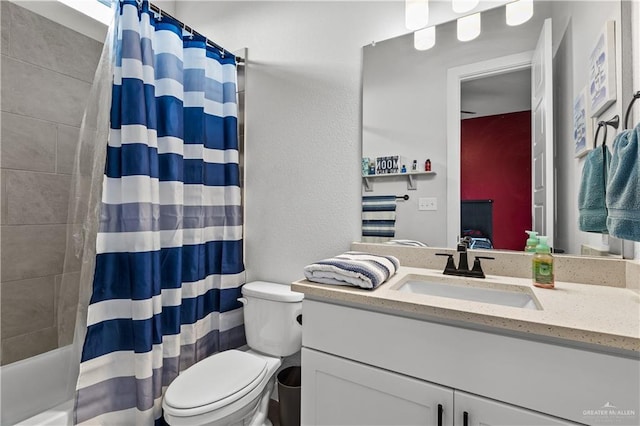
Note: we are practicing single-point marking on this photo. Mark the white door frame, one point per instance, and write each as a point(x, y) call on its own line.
point(455, 76)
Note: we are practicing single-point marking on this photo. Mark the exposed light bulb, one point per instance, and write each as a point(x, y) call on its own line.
point(416, 14)
point(462, 6)
point(469, 27)
point(425, 38)
point(519, 12)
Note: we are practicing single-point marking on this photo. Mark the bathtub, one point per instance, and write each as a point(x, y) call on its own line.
point(39, 390)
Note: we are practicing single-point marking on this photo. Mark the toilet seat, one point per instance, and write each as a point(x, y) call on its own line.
point(233, 373)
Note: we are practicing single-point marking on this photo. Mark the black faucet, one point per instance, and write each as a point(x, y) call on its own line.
point(463, 245)
point(463, 264)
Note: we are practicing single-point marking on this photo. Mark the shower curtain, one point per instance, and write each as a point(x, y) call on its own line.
point(169, 262)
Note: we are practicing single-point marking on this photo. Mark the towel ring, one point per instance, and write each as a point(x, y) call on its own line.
point(595, 140)
point(614, 122)
point(628, 113)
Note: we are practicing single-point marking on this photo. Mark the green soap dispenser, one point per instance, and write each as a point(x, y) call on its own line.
point(532, 242)
point(543, 265)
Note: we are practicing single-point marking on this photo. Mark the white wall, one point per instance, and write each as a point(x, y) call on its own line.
point(575, 29)
point(635, 37)
point(303, 93)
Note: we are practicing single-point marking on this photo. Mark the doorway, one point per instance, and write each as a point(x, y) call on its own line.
point(495, 158)
point(456, 77)
point(540, 62)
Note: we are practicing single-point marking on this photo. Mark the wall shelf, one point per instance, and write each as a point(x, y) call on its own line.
point(411, 179)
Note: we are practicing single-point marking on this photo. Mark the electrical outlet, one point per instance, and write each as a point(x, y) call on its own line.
point(427, 203)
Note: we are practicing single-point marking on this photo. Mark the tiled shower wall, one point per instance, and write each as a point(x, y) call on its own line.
point(47, 70)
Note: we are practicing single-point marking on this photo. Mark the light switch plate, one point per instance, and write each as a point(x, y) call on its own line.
point(427, 203)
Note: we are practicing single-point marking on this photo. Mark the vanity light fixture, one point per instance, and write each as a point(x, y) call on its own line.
point(469, 27)
point(416, 14)
point(462, 6)
point(425, 38)
point(519, 12)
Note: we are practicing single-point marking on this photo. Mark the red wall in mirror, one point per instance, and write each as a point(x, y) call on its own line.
point(495, 163)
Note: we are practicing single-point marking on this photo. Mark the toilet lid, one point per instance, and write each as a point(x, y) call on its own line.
point(215, 378)
point(271, 291)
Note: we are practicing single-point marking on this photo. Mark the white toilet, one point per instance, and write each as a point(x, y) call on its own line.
point(234, 387)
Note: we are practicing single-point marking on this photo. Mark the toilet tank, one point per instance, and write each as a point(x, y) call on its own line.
point(271, 314)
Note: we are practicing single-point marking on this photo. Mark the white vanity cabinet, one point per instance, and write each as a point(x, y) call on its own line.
point(344, 392)
point(365, 367)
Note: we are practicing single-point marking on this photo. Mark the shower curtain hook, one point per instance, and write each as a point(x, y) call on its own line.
point(222, 53)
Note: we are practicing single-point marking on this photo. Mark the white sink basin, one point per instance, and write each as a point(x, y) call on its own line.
point(465, 292)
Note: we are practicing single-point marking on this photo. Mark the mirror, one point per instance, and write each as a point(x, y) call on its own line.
point(407, 95)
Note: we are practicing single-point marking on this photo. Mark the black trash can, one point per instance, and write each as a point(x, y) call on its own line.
point(289, 381)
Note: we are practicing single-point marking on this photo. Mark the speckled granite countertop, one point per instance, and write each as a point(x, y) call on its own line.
point(588, 314)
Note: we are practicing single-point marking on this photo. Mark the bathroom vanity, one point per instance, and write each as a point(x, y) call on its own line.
point(402, 355)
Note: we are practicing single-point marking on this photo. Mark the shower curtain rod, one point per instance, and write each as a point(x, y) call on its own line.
point(153, 7)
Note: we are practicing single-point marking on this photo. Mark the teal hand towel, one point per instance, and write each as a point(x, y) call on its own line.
point(623, 189)
point(591, 197)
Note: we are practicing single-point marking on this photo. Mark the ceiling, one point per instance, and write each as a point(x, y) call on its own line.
point(499, 94)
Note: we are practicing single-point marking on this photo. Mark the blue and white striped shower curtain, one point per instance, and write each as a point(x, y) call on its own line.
point(169, 263)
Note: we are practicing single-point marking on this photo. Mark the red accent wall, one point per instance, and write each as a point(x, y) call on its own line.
point(495, 163)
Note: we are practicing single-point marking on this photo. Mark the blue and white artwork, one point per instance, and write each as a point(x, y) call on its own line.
point(581, 125)
point(602, 71)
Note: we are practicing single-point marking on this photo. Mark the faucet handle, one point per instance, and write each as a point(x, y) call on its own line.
point(477, 267)
point(451, 266)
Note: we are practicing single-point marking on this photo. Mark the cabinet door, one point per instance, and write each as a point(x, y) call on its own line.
point(337, 391)
point(487, 412)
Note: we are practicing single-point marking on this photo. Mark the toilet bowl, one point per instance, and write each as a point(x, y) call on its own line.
point(234, 387)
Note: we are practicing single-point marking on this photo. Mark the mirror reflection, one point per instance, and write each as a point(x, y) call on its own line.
point(471, 110)
point(495, 158)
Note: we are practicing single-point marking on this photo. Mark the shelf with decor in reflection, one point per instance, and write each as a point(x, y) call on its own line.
point(412, 184)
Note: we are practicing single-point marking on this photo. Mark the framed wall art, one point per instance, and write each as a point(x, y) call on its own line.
point(602, 71)
point(582, 124)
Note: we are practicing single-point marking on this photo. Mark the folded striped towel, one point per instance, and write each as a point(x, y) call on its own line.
point(353, 268)
point(410, 243)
